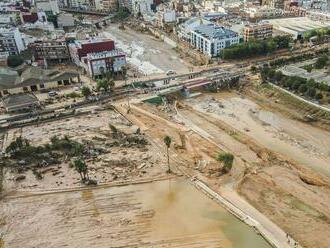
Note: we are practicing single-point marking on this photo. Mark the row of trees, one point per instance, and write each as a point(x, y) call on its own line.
point(319, 33)
point(297, 58)
point(310, 88)
point(256, 47)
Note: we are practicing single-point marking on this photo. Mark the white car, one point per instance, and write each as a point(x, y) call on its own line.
point(52, 93)
point(170, 72)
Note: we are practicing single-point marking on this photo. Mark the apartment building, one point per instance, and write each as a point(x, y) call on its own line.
point(11, 41)
point(211, 39)
point(257, 31)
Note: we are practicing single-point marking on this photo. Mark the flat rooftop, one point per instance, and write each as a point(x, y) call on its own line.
point(213, 31)
point(297, 24)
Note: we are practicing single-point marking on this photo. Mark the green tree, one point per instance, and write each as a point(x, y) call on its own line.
point(168, 141)
point(227, 159)
point(86, 91)
point(102, 84)
point(14, 60)
point(105, 84)
point(82, 168)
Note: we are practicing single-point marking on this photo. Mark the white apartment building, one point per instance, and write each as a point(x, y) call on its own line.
point(11, 41)
point(184, 29)
point(211, 39)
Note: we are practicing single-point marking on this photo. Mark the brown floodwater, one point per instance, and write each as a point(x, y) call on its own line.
point(169, 213)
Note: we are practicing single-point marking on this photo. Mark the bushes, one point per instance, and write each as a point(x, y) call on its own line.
point(293, 59)
point(67, 146)
point(21, 148)
point(227, 159)
point(86, 91)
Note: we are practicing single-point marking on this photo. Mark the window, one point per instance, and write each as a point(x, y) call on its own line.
point(42, 86)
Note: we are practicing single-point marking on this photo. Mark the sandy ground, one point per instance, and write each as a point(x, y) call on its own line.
point(274, 187)
point(292, 196)
point(115, 163)
point(309, 146)
point(144, 51)
point(264, 177)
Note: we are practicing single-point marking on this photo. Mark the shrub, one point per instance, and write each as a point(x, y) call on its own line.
point(227, 159)
point(14, 60)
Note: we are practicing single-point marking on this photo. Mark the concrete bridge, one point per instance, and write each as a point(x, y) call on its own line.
point(87, 12)
point(104, 20)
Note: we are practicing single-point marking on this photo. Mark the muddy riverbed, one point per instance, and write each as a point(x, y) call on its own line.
point(169, 213)
point(308, 145)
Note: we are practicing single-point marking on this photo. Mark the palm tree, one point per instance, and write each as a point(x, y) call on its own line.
point(82, 168)
point(168, 141)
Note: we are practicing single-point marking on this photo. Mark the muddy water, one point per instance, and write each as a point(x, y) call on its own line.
point(181, 210)
point(170, 213)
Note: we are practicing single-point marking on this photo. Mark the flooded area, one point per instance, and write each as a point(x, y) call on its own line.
point(169, 213)
point(144, 51)
point(301, 142)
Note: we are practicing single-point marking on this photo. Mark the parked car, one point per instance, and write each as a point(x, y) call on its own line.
point(52, 93)
point(170, 72)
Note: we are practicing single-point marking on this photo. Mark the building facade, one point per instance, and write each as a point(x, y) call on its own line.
point(35, 79)
point(257, 32)
point(211, 39)
point(11, 41)
point(81, 48)
point(110, 61)
point(97, 56)
point(109, 5)
point(50, 50)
